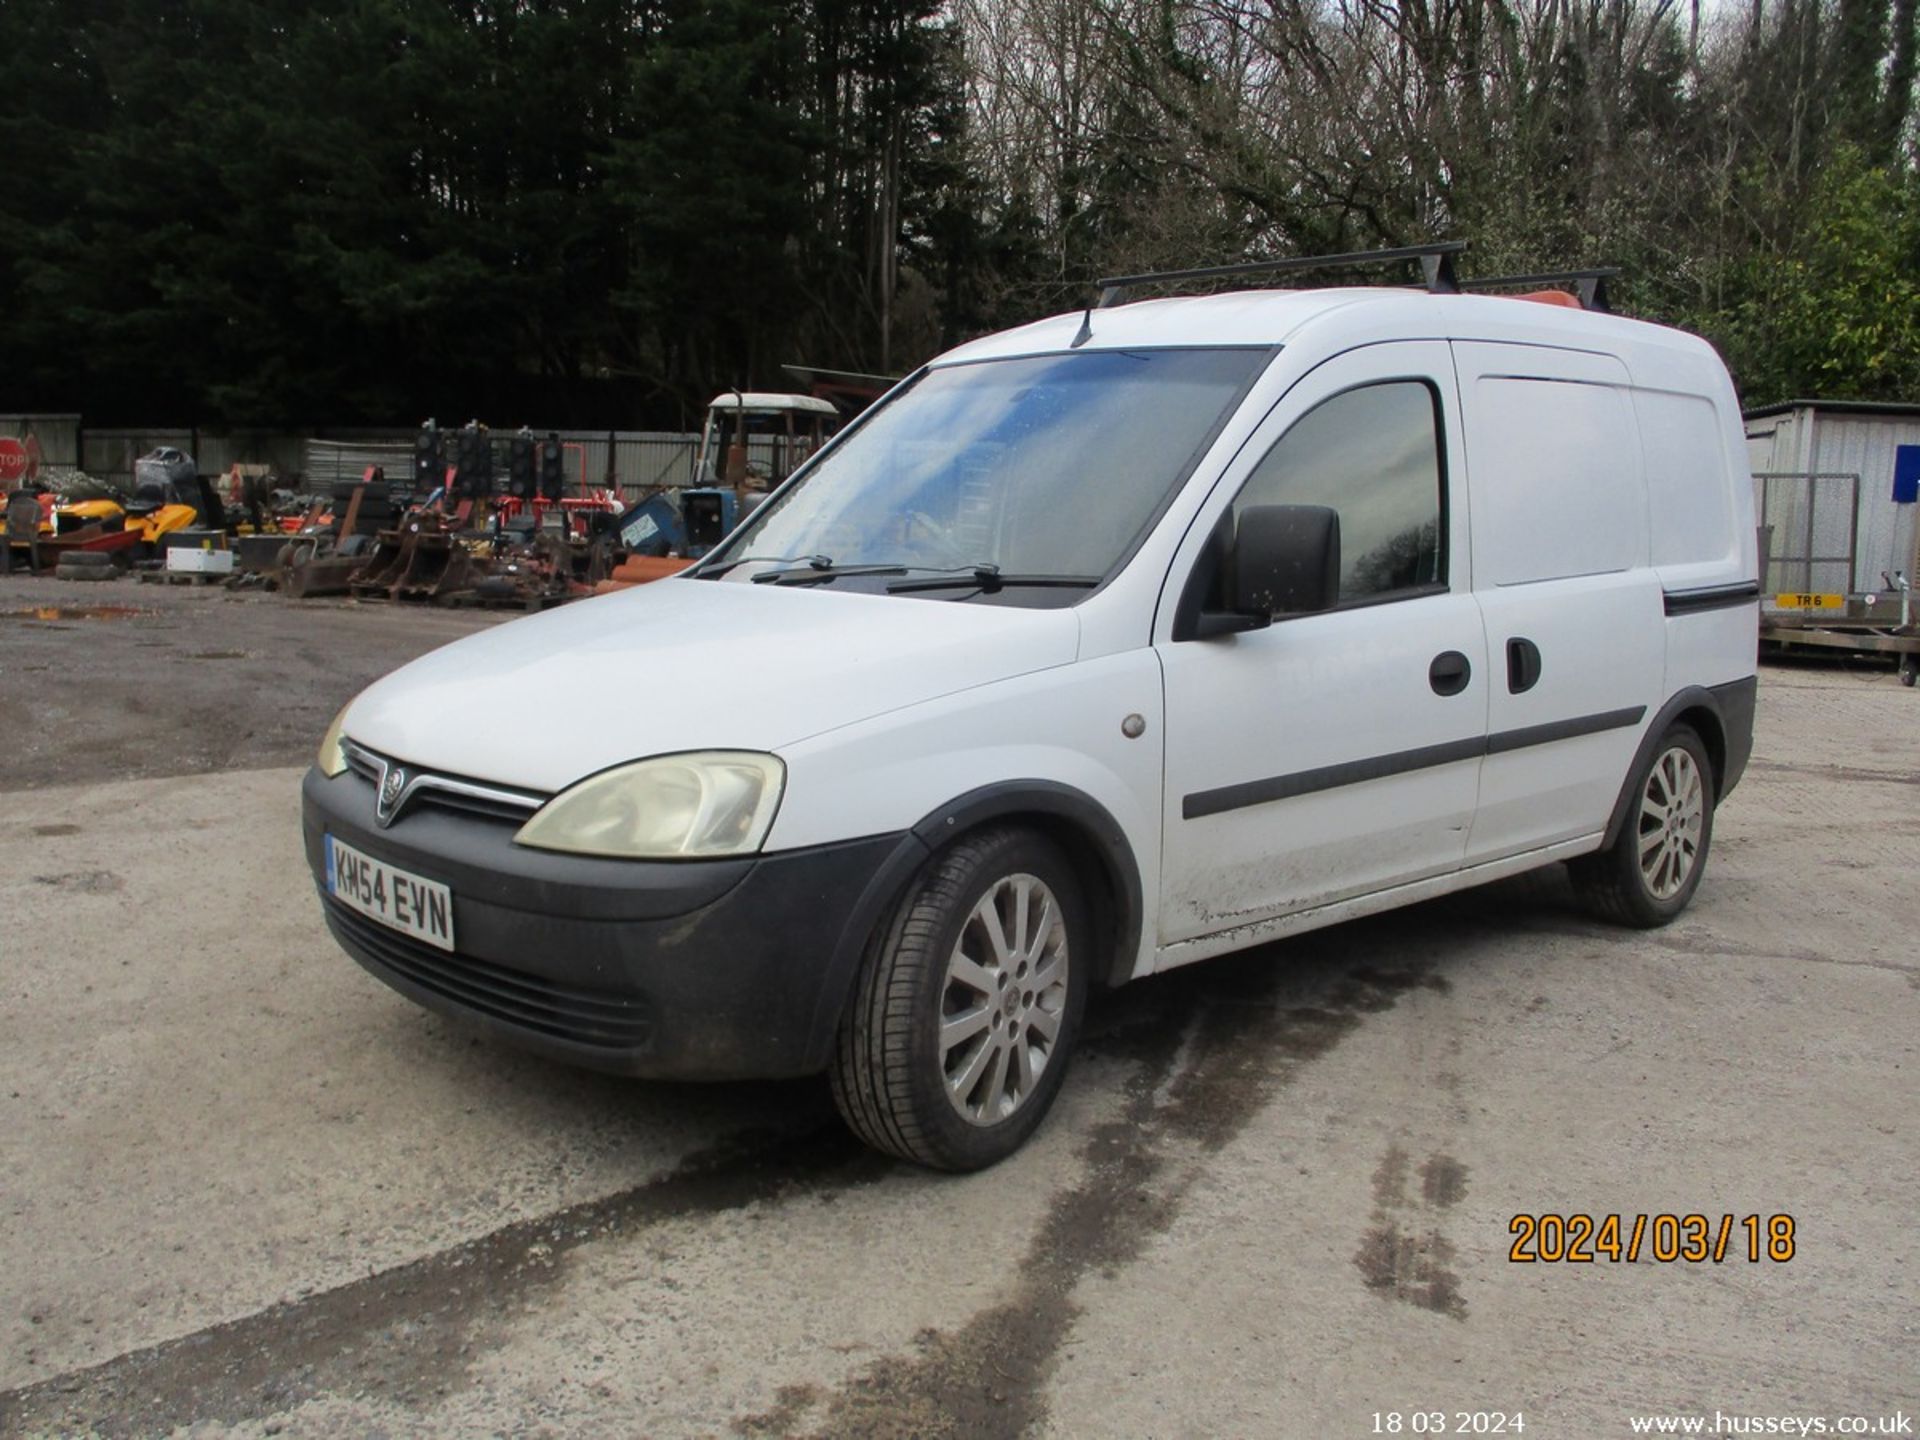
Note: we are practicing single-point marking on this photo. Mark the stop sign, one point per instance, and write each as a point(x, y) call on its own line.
point(13, 461)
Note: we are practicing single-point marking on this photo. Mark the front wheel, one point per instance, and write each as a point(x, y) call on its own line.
point(1647, 876)
point(968, 1005)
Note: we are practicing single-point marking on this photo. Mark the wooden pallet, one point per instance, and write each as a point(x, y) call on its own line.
point(180, 577)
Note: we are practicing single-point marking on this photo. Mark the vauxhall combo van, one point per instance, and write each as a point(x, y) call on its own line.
point(1099, 646)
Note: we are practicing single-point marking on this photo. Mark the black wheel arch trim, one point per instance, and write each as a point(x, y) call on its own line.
point(1109, 843)
point(1731, 706)
point(1088, 816)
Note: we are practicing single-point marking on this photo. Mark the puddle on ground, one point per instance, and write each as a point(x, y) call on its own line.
point(74, 612)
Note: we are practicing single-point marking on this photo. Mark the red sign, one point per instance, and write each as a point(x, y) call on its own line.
point(13, 461)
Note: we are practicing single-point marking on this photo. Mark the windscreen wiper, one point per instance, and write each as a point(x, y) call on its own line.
point(818, 562)
point(815, 573)
point(988, 578)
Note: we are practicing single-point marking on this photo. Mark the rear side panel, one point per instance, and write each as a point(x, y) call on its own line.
point(1704, 548)
point(1573, 613)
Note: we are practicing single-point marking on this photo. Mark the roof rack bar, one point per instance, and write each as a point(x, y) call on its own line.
point(1436, 263)
point(1589, 285)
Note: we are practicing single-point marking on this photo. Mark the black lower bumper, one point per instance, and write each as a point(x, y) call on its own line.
point(1737, 702)
point(699, 970)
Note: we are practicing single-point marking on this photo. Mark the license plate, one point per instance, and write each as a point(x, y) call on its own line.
point(396, 898)
point(1798, 600)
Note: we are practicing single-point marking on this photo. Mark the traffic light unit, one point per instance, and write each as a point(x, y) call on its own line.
point(429, 460)
point(473, 453)
point(520, 476)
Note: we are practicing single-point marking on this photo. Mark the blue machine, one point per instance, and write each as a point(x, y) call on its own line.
point(653, 527)
point(705, 517)
point(709, 514)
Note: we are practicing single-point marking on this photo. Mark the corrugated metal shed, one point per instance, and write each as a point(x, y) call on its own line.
point(1843, 438)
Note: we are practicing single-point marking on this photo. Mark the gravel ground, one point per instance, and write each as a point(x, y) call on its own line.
point(245, 1189)
point(122, 678)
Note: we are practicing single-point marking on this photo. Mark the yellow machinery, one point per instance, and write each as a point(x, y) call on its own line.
point(147, 523)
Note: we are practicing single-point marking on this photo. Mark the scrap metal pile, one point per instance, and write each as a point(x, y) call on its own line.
point(466, 540)
point(446, 534)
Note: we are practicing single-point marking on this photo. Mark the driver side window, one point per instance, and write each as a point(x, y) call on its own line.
point(1373, 455)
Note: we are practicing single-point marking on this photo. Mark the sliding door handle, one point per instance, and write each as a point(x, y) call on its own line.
point(1523, 665)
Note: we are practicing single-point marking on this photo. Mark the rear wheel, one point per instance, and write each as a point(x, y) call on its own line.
point(1647, 876)
point(969, 1004)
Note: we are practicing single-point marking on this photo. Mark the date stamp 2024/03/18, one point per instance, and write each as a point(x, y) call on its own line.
point(1580, 1239)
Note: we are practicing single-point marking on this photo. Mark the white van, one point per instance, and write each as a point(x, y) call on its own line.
point(1100, 646)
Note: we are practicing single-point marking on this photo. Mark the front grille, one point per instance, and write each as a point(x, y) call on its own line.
point(446, 792)
point(584, 1017)
point(470, 805)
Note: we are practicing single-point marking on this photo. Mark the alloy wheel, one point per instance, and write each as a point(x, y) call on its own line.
point(1003, 1000)
point(1672, 813)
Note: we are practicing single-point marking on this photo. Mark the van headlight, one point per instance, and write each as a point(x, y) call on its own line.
point(699, 805)
point(332, 758)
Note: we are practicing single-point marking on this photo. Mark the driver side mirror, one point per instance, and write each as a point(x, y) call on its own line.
point(1280, 560)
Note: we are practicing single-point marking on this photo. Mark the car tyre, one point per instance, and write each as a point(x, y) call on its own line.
point(66, 570)
point(1647, 876)
point(968, 1005)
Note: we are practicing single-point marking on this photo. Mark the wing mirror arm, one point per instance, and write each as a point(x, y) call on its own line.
point(1212, 624)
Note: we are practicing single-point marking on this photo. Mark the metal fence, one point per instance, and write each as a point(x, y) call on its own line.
point(326, 463)
point(58, 436)
point(1811, 522)
point(630, 461)
point(637, 460)
point(109, 454)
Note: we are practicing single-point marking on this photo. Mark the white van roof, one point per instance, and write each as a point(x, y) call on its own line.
point(1364, 314)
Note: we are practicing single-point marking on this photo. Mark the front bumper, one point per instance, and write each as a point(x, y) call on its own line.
point(698, 970)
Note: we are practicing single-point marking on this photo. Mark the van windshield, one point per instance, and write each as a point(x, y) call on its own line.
point(1045, 467)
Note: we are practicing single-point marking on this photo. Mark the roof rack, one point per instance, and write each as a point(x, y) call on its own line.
point(1436, 262)
point(1589, 285)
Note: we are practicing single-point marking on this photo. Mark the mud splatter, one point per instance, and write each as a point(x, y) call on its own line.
point(1413, 1268)
point(1854, 773)
point(1390, 1179)
point(791, 1402)
point(84, 882)
point(1413, 1262)
point(1443, 1181)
